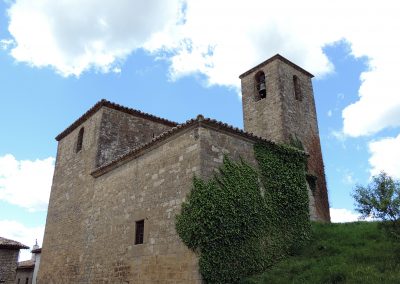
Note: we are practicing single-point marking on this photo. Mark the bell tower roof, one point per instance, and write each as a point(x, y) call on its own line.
point(273, 58)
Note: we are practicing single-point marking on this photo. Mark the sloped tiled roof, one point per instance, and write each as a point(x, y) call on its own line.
point(26, 264)
point(275, 57)
point(198, 121)
point(38, 250)
point(10, 244)
point(115, 106)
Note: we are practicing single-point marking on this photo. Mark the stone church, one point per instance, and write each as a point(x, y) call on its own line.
point(121, 176)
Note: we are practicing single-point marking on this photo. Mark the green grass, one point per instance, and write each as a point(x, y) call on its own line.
point(356, 252)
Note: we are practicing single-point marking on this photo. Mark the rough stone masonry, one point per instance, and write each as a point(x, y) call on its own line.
point(121, 176)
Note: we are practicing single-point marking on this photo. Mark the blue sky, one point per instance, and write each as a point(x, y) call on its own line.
point(177, 59)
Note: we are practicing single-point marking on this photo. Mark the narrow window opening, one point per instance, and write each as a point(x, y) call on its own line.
point(79, 142)
point(312, 182)
point(19, 280)
point(260, 85)
point(297, 88)
point(139, 232)
point(27, 280)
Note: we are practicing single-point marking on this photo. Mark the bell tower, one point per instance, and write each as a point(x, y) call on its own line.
point(278, 104)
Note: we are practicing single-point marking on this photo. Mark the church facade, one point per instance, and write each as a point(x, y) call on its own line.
point(121, 176)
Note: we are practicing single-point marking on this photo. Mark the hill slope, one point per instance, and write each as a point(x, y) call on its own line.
point(340, 253)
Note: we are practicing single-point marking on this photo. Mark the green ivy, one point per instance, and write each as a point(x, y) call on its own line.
point(296, 143)
point(282, 172)
point(244, 218)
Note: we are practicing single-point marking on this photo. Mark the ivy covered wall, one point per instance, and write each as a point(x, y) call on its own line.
point(244, 218)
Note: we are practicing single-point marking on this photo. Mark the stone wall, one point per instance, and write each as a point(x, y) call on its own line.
point(263, 117)
point(300, 121)
point(121, 132)
point(69, 226)
point(281, 117)
point(24, 276)
point(215, 144)
point(150, 188)
point(90, 229)
point(8, 265)
point(67, 231)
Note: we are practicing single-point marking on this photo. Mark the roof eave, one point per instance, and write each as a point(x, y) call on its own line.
point(105, 103)
point(273, 58)
point(199, 121)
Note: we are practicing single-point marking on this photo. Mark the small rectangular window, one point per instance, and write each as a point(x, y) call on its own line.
point(312, 182)
point(27, 280)
point(139, 232)
point(260, 85)
point(79, 140)
point(297, 89)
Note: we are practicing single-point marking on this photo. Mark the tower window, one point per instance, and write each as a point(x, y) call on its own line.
point(139, 232)
point(80, 140)
point(312, 182)
point(297, 89)
point(260, 85)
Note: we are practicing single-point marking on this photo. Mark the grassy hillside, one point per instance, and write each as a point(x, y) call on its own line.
point(340, 253)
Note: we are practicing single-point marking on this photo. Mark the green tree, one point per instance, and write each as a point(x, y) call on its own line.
point(380, 199)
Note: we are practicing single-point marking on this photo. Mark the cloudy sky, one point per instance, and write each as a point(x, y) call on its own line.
point(179, 58)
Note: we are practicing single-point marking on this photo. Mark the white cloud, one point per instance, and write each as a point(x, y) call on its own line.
point(222, 39)
point(26, 183)
point(340, 215)
point(340, 96)
point(73, 36)
point(117, 70)
point(348, 178)
point(385, 156)
point(219, 39)
point(6, 43)
point(379, 104)
point(339, 135)
point(19, 232)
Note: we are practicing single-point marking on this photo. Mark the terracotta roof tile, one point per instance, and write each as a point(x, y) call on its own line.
point(26, 264)
point(198, 121)
point(38, 250)
point(10, 244)
point(280, 57)
point(115, 106)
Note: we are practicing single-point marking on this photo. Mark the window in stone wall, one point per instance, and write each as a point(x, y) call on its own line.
point(312, 182)
point(260, 85)
point(79, 142)
point(297, 89)
point(19, 280)
point(26, 280)
point(139, 232)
